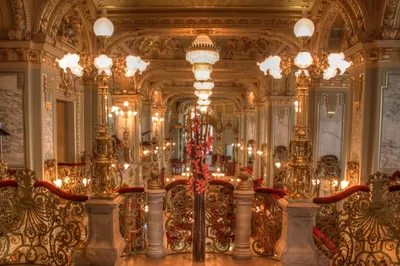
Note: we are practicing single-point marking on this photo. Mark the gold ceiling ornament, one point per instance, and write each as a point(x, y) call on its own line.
point(300, 182)
point(105, 178)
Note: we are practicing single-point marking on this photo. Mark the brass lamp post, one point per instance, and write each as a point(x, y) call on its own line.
point(104, 178)
point(299, 182)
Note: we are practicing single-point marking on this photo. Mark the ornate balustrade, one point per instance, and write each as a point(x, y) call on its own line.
point(72, 177)
point(229, 168)
point(360, 226)
point(133, 219)
point(178, 211)
point(266, 221)
point(39, 223)
point(220, 216)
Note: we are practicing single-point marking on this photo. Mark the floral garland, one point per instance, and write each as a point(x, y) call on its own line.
point(196, 150)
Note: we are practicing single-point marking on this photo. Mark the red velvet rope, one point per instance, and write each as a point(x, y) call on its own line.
point(125, 190)
point(279, 192)
point(342, 195)
point(394, 188)
point(71, 164)
point(222, 183)
point(58, 192)
point(248, 171)
point(395, 175)
point(8, 183)
point(177, 183)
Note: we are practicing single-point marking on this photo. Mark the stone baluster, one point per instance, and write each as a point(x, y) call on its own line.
point(105, 244)
point(244, 199)
point(155, 198)
point(296, 246)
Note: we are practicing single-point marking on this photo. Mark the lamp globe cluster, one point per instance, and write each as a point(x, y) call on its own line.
point(203, 54)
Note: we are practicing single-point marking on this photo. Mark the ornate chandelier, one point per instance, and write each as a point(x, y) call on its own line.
point(300, 181)
point(104, 177)
point(203, 54)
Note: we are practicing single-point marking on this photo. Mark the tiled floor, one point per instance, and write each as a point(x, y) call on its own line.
point(211, 260)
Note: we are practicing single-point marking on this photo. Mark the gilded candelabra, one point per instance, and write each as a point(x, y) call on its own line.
point(104, 178)
point(300, 181)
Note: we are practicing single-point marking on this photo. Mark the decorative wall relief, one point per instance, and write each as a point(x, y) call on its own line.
point(389, 155)
point(353, 173)
point(12, 117)
point(48, 131)
point(357, 119)
point(281, 130)
point(330, 126)
point(19, 30)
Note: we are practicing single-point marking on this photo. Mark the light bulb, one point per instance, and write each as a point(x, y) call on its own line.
point(203, 102)
point(109, 115)
point(206, 85)
point(272, 66)
point(126, 166)
point(134, 113)
point(344, 184)
point(129, 112)
point(103, 27)
point(278, 164)
point(71, 61)
point(203, 108)
point(202, 72)
point(126, 103)
point(103, 63)
point(58, 183)
point(203, 94)
point(303, 59)
point(304, 28)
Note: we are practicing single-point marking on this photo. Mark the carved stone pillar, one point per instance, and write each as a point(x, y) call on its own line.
point(244, 200)
point(296, 246)
point(155, 198)
point(105, 244)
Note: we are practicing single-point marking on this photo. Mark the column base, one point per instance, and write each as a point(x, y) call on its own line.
point(240, 252)
point(156, 252)
point(296, 246)
point(105, 244)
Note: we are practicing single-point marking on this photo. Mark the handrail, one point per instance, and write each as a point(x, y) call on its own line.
point(71, 164)
point(279, 192)
point(342, 195)
point(222, 183)
point(8, 183)
point(177, 183)
point(125, 190)
point(64, 195)
point(394, 188)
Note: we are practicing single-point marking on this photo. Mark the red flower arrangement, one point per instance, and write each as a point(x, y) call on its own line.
point(197, 149)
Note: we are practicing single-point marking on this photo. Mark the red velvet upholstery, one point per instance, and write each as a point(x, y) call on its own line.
point(124, 190)
point(65, 195)
point(342, 195)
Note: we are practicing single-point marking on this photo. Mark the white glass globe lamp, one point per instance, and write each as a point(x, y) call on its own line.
point(304, 28)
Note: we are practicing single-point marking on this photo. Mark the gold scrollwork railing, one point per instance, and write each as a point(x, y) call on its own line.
point(220, 216)
point(39, 223)
point(361, 225)
point(179, 213)
point(266, 221)
point(133, 219)
point(72, 177)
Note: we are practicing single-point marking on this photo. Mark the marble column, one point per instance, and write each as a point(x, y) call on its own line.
point(136, 140)
point(155, 199)
point(296, 246)
point(244, 200)
point(105, 244)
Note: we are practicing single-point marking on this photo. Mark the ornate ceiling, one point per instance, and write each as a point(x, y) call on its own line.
point(161, 30)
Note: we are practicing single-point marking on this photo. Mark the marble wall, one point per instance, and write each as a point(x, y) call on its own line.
point(357, 120)
point(12, 118)
point(330, 129)
point(389, 156)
